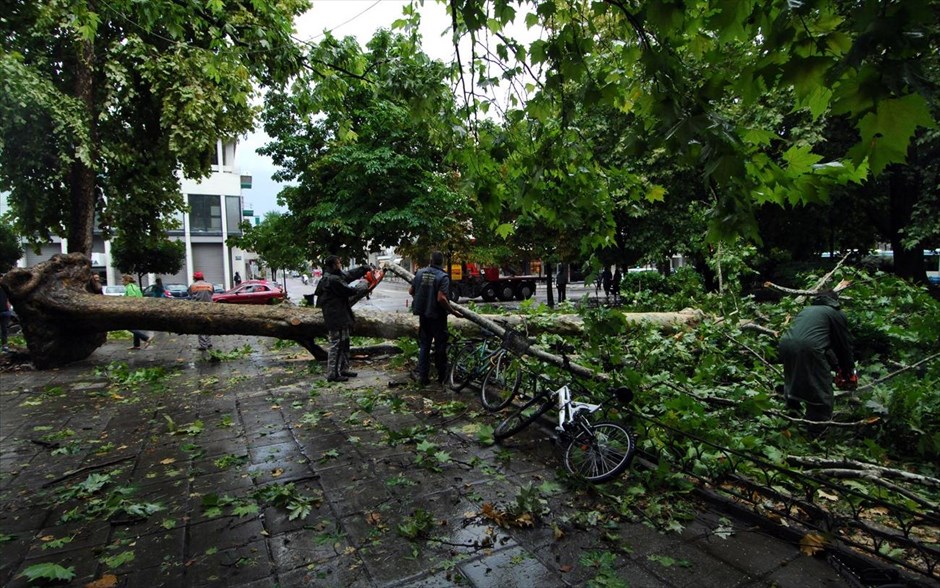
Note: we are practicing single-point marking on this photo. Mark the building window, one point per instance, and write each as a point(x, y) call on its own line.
point(205, 213)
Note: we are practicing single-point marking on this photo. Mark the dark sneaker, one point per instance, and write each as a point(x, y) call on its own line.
point(350, 374)
point(337, 379)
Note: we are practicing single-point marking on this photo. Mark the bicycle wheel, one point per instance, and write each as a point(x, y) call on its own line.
point(461, 365)
point(521, 418)
point(599, 452)
point(501, 382)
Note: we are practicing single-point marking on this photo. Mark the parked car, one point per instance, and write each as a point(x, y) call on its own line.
point(148, 292)
point(218, 288)
point(113, 290)
point(178, 290)
point(251, 292)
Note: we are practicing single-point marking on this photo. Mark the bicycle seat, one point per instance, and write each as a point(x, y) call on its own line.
point(623, 394)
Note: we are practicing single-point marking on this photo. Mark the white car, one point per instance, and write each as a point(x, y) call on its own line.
point(113, 290)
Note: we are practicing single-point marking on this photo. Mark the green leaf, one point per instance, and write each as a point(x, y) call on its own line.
point(886, 133)
point(800, 159)
point(505, 230)
point(48, 571)
point(655, 194)
point(425, 446)
point(118, 560)
point(248, 508)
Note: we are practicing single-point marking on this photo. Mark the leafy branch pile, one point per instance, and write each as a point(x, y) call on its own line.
point(709, 401)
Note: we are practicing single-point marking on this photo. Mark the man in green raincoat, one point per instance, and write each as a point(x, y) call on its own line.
point(817, 341)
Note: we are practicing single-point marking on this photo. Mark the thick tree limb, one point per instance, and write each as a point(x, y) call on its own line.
point(818, 286)
point(518, 343)
point(822, 462)
point(65, 318)
point(752, 326)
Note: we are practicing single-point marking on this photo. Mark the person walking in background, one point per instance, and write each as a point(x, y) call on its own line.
point(818, 340)
point(6, 311)
point(158, 291)
point(133, 290)
point(606, 279)
point(561, 280)
point(615, 284)
point(237, 279)
point(334, 298)
point(201, 291)
point(430, 290)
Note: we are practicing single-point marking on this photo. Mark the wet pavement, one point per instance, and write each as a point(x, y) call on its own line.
point(166, 467)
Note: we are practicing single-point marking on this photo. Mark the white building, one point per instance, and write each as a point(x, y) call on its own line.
point(216, 209)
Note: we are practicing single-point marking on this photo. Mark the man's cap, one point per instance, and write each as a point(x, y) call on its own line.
point(198, 275)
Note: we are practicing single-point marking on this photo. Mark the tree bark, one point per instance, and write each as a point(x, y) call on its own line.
point(65, 318)
point(82, 175)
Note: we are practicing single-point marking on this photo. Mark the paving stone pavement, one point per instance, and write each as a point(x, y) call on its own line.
point(161, 467)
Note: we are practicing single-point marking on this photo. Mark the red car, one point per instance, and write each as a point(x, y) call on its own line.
point(251, 292)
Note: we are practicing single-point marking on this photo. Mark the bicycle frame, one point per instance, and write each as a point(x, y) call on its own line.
point(568, 409)
point(483, 354)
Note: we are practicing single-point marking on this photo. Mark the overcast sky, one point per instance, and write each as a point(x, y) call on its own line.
point(358, 18)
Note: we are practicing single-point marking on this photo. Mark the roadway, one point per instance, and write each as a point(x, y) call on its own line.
point(392, 294)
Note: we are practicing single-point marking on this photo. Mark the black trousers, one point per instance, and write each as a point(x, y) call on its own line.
point(432, 331)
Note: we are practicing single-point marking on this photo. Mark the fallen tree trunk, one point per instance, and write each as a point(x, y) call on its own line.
point(64, 317)
point(516, 342)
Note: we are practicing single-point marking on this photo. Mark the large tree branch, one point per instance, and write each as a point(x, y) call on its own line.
point(65, 318)
point(818, 286)
point(519, 344)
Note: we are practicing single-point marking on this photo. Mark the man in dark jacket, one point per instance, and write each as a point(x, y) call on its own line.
point(818, 333)
point(333, 297)
point(561, 280)
point(431, 289)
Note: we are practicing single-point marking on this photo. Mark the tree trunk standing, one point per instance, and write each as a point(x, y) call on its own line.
point(82, 174)
point(549, 295)
point(902, 196)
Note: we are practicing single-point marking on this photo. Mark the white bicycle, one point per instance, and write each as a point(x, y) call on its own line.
point(597, 452)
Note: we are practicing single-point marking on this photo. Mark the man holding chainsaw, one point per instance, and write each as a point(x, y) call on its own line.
point(817, 341)
point(335, 296)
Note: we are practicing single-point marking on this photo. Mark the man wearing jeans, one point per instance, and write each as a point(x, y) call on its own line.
point(431, 289)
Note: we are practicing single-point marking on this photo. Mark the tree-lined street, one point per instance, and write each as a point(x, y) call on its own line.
point(779, 148)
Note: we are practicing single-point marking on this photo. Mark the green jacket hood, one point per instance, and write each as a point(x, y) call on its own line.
point(827, 299)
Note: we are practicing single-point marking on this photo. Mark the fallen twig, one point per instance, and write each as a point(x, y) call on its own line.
point(860, 423)
point(772, 367)
point(844, 463)
point(889, 376)
point(87, 468)
point(874, 478)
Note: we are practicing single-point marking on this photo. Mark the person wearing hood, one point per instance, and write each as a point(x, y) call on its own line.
point(817, 341)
